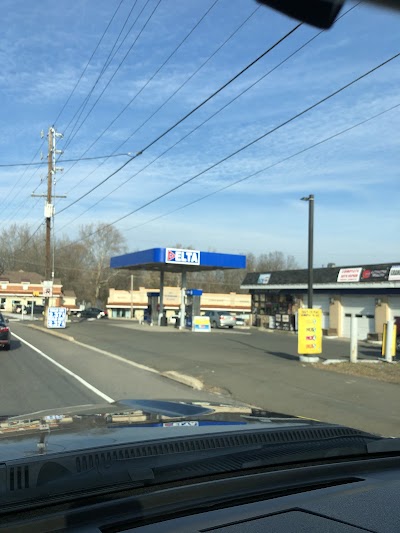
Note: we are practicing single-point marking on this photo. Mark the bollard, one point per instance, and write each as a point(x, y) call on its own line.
point(353, 339)
point(389, 341)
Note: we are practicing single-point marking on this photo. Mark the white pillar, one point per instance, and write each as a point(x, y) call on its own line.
point(161, 313)
point(389, 341)
point(183, 310)
point(353, 339)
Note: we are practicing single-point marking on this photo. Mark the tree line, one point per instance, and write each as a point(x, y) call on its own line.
point(83, 265)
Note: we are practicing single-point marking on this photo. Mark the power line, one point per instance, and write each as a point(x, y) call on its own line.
point(88, 62)
point(182, 119)
point(171, 96)
point(249, 176)
point(106, 64)
point(41, 163)
point(115, 72)
point(23, 174)
point(61, 110)
point(257, 139)
point(208, 118)
point(145, 85)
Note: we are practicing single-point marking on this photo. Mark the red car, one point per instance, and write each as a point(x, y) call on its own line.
point(5, 335)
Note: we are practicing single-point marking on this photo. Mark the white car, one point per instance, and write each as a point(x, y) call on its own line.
point(221, 319)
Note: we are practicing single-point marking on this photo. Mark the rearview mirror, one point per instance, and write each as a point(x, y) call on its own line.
point(320, 13)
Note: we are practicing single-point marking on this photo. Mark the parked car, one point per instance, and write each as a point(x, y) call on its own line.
point(397, 322)
point(37, 310)
point(221, 319)
point(240, 321)
point(92, 312)
point(5, 335)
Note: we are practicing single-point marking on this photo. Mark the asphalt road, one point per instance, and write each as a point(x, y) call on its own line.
point(32, 381)
point(258, 368)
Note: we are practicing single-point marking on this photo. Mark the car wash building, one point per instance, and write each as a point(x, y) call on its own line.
point(370, 292)
point(176, 260)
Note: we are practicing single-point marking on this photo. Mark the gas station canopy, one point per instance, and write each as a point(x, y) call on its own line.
point(177, 260)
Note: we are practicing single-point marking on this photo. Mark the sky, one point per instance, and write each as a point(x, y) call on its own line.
point(114, 76)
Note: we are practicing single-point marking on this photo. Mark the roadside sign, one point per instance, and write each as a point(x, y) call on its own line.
point(201, 323)
point(47, 289)
point(309, 339)
point(393, 349)
point(56, 317)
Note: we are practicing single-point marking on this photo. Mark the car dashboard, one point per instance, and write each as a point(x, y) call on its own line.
point(348, 496)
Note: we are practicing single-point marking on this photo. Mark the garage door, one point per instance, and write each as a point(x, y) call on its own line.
point(394, 304)
point(364, 309)
point(320, 301)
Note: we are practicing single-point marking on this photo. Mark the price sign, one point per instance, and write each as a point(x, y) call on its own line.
point(56, 317)
point(309, 339)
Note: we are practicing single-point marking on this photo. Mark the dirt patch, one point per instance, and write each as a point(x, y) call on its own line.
point(380, 371)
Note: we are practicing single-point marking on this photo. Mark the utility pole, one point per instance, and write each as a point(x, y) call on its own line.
point(48, 212)
point(310, 283)
point(52, 136)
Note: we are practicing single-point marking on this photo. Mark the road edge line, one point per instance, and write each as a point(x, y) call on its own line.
point(184, 379)
point(92, 388)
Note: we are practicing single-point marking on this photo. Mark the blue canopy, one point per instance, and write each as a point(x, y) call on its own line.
point(177, 260)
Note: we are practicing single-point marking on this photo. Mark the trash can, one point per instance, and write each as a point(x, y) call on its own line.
point(164, 321)
point(177, 323)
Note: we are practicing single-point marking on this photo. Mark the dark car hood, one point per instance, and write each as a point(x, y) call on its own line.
point(128, 421)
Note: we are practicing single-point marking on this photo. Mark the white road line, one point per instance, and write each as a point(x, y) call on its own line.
point(66, 370)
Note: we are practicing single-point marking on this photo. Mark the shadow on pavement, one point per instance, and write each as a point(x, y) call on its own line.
point(15, 344)
point(257, 348)
point(283, 355)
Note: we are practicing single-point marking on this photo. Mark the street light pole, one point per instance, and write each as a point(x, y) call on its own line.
point(310, 200)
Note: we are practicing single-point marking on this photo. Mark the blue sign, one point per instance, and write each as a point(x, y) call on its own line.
point(57, 317)
point(182, 257)
point(194, 292)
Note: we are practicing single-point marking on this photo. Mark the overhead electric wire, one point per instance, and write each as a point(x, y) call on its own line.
point(88, 63)
point(254, 141)
point(260, 171)
point(105, 66)
point(115, 72)
point(42, 163)
point(206, 120)
point(22, 175)
point(22, 247)
point(182, 119)
point(145, 85)
point(64, 106)
point(173, 94)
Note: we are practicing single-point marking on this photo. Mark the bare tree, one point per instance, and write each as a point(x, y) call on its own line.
point(100, 243)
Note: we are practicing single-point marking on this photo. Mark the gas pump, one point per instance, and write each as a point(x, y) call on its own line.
point(153, 305)
point(193, 297)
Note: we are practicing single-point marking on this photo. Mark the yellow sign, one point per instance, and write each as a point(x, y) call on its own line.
point(309, 337)
point(393, 350)
point(201, 323)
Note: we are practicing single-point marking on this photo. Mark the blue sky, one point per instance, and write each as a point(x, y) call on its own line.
point(354, 177)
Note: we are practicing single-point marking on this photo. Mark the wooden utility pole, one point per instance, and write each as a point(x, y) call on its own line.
point(48, 210)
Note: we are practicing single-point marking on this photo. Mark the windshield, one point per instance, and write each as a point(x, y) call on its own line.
point(134, 134)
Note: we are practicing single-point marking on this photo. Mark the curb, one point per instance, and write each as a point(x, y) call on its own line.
point(54, 333)
point(190, 381)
